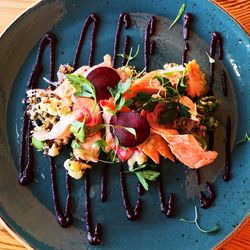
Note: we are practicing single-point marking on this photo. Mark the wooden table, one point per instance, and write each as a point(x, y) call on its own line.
point(239, 9)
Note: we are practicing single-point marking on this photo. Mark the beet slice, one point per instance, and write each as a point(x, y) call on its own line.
point(101, 78)
point(129, 120)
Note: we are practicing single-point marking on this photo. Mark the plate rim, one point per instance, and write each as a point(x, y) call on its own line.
point(4, 220)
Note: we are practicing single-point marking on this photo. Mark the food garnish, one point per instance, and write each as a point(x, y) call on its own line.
point(129, 116)
point(196, 222)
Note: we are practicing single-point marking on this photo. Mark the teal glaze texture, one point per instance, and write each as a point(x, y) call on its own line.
point(29, 210)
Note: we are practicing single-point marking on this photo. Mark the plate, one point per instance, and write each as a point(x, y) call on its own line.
point(29, 210)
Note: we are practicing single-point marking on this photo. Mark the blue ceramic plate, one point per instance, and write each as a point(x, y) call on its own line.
point(29, 210)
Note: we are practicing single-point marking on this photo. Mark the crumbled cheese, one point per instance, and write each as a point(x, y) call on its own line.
point(54, 150)
point(76, 169)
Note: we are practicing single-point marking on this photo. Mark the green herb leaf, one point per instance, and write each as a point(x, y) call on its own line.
point(146, 101)
point(75, 144)
point(143, 166)
point(195, 221)
point(243, 140)
point(101, 144)
point(117, 93)
point(142, 180)
point(181, 11)
point(139, 167)
point(112, 156)
point(172, 92)
point(142, 97)
point(98, 128)
point(168, 115)
point(163, 81)
point(181, 85)
point(211, 60)
point(150, 106)
point(120, 104)
point(79, 129)
point(184, 110)
point(124, 86)
point(150, 175)
point(128, 103)
point(112, 91)
point(39, 145)
point(82, 86)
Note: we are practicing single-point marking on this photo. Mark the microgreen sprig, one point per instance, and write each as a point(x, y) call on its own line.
point(246, 138)
point(117, 93)
point(83, 87)
point(181, 11)
point(79, 129)
point(195, 221)
point(129, 57)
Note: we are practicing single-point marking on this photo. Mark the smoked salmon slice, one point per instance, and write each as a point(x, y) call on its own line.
point(156, 146)
point(60, 130)
point(188, 150)
point(195, 80)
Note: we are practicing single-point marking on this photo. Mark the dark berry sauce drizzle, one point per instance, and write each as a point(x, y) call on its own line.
point(124, 18)
point(148, 45)
point(227, 171)
point(94, 234)
point(166, 207)
point(92, 19)
point(215, 43)
point(26, 160)
point(140, 189)
point(187, 20)
point(206, 201)
point(132, 214)
point(64, 219)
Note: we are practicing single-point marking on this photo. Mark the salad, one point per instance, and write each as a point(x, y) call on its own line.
point(111, 115)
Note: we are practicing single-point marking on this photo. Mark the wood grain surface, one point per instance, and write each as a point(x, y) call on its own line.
point(239, 9)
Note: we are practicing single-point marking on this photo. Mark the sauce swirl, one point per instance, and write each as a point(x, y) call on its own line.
point(167, 208)
point(94, 234)
point(124, 18)
point(198, 176)
point(92, 19)
point(187, 19)
point(26, 159)
point(132, 214)
point(216, 42)
point(227, 171)
point(224, 83)
point(206, 201)
point(149, 46)
point(64, 219)
point(140, 189)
